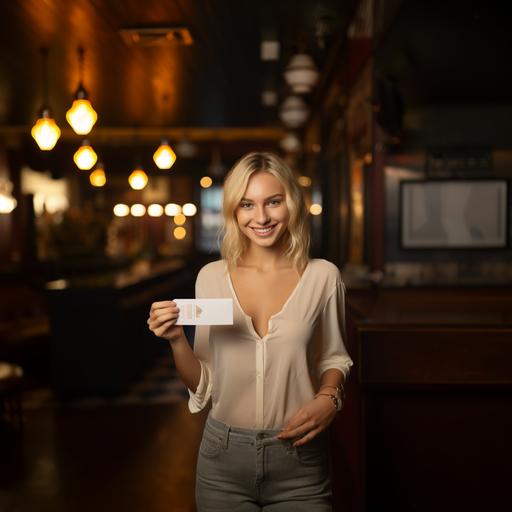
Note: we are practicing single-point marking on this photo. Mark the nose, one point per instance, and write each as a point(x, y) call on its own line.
point(261, 215)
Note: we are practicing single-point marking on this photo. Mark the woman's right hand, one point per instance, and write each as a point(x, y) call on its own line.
point(162, 320)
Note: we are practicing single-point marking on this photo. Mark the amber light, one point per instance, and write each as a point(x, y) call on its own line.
point(164, 156)
point(179, 233)
point(138, 179)
point(85, 157)
point(206, 182)
point(97, 177)
point(45, 131)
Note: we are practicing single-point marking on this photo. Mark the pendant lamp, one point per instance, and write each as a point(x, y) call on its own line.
point(164, 156)
point(81, 116)
point(45, 131)
point(138, 179)
point(301, 73)
point(85, 157)
point(97, 177)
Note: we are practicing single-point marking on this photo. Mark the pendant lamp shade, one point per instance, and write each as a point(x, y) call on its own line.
point(45, 131)
point(97, 177)
point(301, 73)
point(81, 116)
point(138, 179)
point(85, 157)
point(164, 156)
point(294, 112)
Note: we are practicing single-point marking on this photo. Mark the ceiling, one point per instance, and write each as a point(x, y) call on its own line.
point(215, 82)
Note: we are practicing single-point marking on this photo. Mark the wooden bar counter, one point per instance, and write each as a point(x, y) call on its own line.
point(428, 421)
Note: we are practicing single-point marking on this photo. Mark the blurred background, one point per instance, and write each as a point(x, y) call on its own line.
point(119, 121)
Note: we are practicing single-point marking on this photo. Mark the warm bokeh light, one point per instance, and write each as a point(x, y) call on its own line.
point(179, 219)
point(97, 177)
point(164, 156)
point(85, 157)
point(206, 182)
point(155, 210)
point(81, 116)
point(121, 210)
point(304, 181)
point(315, 209)
point(45, 131)
point(138, 179)
point(179, 233)
point(138, 210)
point(172, 209)
point(189, 209)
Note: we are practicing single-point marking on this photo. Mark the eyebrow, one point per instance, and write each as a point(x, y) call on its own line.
point(266, 199)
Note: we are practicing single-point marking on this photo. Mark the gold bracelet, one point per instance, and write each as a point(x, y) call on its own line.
point(335, 400)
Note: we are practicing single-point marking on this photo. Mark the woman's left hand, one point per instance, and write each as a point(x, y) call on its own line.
point(309, 420)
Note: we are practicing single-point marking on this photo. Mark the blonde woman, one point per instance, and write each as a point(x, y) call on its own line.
point(274, 378)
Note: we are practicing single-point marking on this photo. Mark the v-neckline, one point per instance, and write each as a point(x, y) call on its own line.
point(248, 318)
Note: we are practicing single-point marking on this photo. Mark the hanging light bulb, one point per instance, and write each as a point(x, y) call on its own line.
point(97, 177)
point(164, 156)
point(85, 157)
point(81, 116)
point(45, 131)
point(138, 179)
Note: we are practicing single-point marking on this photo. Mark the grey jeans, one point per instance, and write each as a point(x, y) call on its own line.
point(244, 470)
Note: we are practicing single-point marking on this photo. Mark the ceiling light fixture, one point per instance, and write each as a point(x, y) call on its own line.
point(45, 131)
point(97, 177)
point(301, 73)
point(164, 156)
point(138, 179)
point(81, 116)
point(85, 157)
point(294, 112)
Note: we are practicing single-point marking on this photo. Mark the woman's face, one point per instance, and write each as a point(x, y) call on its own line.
point(262, 214)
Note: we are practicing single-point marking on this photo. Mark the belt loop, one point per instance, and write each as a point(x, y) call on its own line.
point(226, 437)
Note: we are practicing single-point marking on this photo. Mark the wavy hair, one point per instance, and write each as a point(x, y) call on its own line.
point(234, 243)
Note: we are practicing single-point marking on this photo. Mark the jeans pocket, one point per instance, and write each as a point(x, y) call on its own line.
point(312, 454)
point(211, 445)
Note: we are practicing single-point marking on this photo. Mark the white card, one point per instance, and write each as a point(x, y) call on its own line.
point(205, 311)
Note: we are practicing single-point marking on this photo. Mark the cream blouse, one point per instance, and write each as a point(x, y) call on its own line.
point(259, 382)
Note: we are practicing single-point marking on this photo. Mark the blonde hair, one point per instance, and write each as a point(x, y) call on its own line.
point(234, 243)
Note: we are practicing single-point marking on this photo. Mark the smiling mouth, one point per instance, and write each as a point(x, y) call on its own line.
point(264, 231)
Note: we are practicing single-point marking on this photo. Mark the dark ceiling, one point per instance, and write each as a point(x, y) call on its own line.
point(216, 82)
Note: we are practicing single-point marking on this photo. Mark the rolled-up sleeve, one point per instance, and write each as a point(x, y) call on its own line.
point(334, 353)
point(198, 399)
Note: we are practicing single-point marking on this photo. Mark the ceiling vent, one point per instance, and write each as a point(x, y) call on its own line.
point(157, 36)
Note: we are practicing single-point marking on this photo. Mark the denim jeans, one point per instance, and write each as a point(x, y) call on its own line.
point(245, 470)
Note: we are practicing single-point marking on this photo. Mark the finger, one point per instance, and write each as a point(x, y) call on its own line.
point(165, 317)
point(154, 315)
point(297, 431)
point(162, 304)
point(306, 438)
point(161, 330)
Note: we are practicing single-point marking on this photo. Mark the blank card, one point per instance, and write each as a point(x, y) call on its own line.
point(205, 311)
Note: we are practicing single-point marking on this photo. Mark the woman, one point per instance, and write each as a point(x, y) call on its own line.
point(275, 377)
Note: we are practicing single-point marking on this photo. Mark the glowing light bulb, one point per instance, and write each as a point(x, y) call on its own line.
point(155, 210)
point(121, 210)
point(97, 177)
point(179, 233)
point(179, 219)
point(85, 157)
point(138, 179)
point(172, 209)
point(189, 209)
point(206, 182)
point(164, 156)
point(138, 210)
point(45, 131)
point(315, 209)
point(81, 116)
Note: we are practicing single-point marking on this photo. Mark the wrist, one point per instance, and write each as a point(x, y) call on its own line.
point(335, 401)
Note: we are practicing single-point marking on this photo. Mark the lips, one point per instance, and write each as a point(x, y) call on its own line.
point(264, 231)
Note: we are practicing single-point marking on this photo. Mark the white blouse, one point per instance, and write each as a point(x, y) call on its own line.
point(260, 382)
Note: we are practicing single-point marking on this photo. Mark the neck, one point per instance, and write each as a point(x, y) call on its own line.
point(265, 258)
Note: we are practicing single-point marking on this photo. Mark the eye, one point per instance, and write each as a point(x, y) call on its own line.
point(245, 205)
point(274, 202)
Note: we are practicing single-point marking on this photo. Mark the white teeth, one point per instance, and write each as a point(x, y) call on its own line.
point(263, 231)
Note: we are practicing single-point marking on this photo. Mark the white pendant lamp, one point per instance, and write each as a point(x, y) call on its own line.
point(301, 74)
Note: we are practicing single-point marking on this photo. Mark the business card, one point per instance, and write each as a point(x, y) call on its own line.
point(205, 311)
